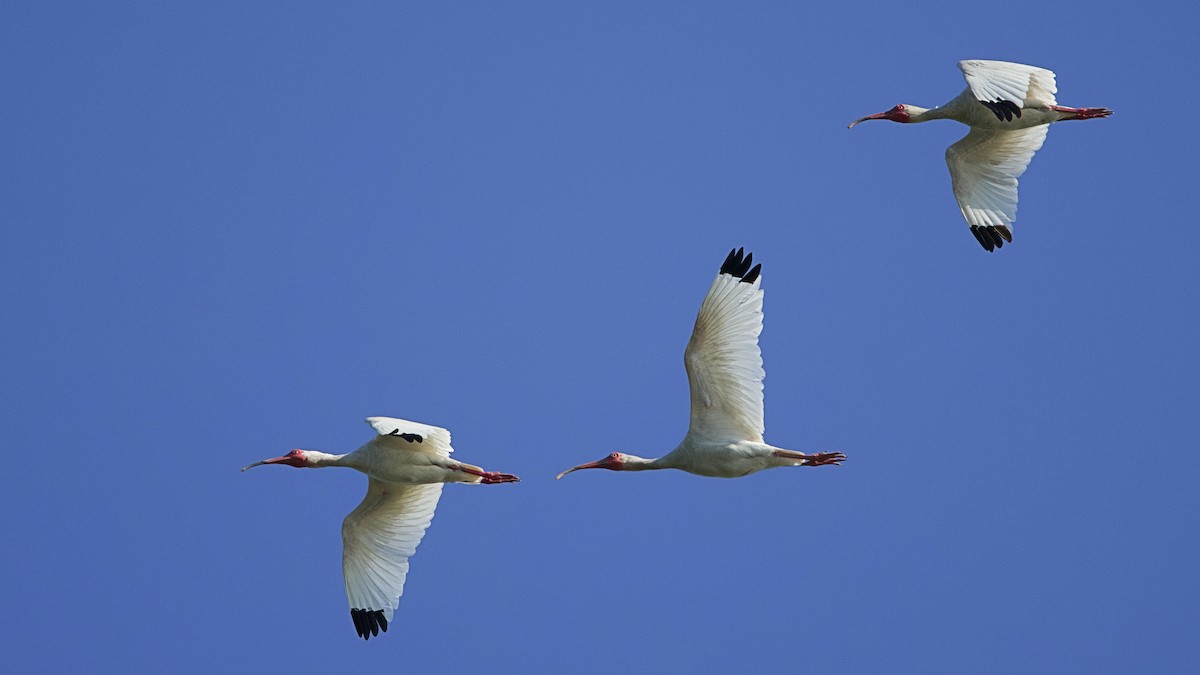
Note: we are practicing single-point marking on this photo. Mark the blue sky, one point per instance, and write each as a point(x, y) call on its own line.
point(232, 230)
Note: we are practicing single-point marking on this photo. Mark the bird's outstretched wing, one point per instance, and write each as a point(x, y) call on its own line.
point(984, 167)
point(412, 435)
point(378, 538)
point(724, 363)
point(1006, 87)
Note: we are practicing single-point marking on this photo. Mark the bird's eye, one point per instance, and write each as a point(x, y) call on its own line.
point(900, 106)
point(614, 455)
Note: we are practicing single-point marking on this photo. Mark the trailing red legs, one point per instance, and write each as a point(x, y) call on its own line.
point(816, 459)
point(1081, 113)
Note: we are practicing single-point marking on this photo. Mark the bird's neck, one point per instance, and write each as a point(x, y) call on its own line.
point(318, 459)
point(918, 114)
point(635, 463)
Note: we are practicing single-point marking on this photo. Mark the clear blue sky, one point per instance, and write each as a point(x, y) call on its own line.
point(229, 231)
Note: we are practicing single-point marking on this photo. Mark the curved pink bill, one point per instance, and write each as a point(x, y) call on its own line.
point(876, 116)
point(273, 460)
point(590, 465)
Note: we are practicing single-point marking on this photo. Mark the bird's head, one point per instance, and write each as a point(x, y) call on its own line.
point(900, 113)
point(615, 461)
point(296, 457)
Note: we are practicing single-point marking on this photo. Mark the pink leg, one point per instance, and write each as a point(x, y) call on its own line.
point(1081, 113)
point(489, 477)
point(818, 459)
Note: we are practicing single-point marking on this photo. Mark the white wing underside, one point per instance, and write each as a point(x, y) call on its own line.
point(435, 440)
point(378, 538)
point(984, 167)
point(1004, 81)
point(724, 363)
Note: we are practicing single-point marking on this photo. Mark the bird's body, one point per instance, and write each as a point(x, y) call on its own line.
point(725, 374)
point(728, 459)
point(1008, 107)
point(391, 458)
point(407, 463)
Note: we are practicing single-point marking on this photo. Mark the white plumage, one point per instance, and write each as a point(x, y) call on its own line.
point(1007, 106)
point(1004, 81)
point(725, 373)
point(379, 537)
point(406, 464)
point(723, 361)
point(984, 167)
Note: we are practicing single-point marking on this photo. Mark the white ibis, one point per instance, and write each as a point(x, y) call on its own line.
point(407, 463)
point(1007, 106)
point(725, 373)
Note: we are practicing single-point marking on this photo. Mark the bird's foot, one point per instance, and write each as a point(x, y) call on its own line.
point(1081, 113)
point(823, 458)
point(490, 477)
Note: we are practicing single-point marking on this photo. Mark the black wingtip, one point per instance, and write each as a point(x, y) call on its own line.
point(1003, 110)
point(738, 264)
point(985, 242)
point(996, 239)
point(368, 622)
point(411, 438)
point(991, 237)
point(732, 261)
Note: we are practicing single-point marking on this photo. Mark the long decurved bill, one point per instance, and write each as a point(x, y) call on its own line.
point(273, 460)
point(590, 465)
point(876, 116)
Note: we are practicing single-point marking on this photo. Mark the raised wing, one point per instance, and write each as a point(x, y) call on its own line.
point(724, 363)
point(378, 538)
point(984, 167)
point(1006, 87)
point(412, 435)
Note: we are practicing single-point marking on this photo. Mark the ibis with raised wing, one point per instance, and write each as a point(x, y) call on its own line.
point(725, 373)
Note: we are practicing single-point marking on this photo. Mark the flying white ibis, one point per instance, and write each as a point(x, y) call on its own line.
point(725, 373)
point(1007, 106)
point(407, 463)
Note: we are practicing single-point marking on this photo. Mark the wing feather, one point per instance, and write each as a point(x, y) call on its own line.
point(984, 168)
point(378, 538)
point(1022, 85)
point(412, 435)
point(723, 359)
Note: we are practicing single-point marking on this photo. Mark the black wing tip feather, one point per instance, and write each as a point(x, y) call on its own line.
point(408, 437)
point(368, 622)
point(1003, 110)
point(737, 264)
point(991, 237)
